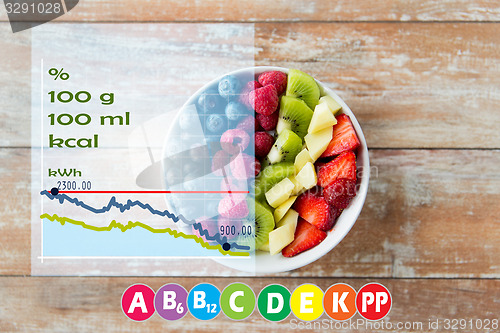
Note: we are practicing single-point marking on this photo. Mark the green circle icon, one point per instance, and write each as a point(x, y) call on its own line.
point(274, 302)
point(237, 301)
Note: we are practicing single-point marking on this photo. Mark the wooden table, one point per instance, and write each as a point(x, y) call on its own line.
point(422, 77)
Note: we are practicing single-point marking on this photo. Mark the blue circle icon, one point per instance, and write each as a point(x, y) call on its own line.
point(204, 301)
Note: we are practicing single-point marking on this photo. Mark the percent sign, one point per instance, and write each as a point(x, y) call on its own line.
point(58, 74)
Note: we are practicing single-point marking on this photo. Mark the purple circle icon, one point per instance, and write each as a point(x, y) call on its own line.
point(170, 301)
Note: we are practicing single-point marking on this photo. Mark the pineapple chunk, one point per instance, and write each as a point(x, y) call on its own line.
point(307, 176)
point(317, 142)
point(282, 209)
point(290, 217)
point(332, 104)
point(298, 188)
point(301, 159)
point(264, 247)
point(281, 237)
point(321, 119)
point(280, 192)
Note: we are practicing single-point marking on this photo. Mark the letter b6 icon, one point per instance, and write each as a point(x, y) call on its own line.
point(171, 301)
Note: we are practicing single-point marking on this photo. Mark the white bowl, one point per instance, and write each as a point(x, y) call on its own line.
point(265, 263)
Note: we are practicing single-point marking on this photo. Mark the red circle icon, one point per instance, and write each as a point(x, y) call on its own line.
point(373, 301)
point(138, 302)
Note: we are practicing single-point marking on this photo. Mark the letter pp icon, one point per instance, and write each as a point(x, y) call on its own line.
point(373, 301)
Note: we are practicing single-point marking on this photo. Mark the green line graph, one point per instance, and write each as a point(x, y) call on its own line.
point(130, 225)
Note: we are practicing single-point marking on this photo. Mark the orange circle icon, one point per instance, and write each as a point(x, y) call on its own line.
point(339, 301)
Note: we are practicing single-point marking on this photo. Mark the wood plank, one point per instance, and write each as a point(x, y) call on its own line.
point(428, 213)
point(410, 85)
point(15, 80)
point(93, 304)
point(15, 225)
point(302, 10)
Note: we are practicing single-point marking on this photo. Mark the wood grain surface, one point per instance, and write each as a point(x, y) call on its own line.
point(92, 304)
point(410, 85)
point(424, 207)
point(299, 10)
point(422, 78)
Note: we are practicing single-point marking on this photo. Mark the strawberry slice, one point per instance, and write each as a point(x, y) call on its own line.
point(344, 166)
point(306, 236)
point(340, 193)
point(344, 137)
point(315, 210)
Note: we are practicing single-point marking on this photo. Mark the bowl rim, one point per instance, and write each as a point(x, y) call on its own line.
point(307, 257)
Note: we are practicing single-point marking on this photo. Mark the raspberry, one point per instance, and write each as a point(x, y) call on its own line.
point(233, 206)
point(234, 140)
point(219, 161)
point(268, 122)
point(263, 143)
point(258, 166)
point(229, 184)
point(249, 124)
point(276, 78)
point(250, 86)
point(264, 100)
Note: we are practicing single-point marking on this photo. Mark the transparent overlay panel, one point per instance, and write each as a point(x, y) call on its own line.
point(128, 173)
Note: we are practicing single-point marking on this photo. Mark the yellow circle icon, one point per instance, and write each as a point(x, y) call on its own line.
point(307, 302)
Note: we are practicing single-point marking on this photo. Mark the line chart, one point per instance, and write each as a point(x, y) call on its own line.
point(113, 203)
point(154, 192)
point(130, 225)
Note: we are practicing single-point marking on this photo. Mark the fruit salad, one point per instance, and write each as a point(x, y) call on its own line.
point(278, 132)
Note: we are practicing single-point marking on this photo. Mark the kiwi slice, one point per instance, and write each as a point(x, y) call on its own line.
point(255, 228)
point(285, 148)
point(270, 176)
point(303, 86)
point(294, 115)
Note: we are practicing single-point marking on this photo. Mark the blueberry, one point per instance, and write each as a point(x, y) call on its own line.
point(229, 86)
point(189, 136)
point(188, 120)
point(174, 148)
point(175, 201)
point(191, 168)
point(193, 183)
point(188, 167)
point(211, 207)
point(213, 143)
point(215, 123)
point(210, 102)
point(173, 176)
point(235, 110)
point(191, 211)
point(199, 153)
point(251, 185)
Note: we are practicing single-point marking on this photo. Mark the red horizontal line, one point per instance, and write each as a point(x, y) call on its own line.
point(150, 192)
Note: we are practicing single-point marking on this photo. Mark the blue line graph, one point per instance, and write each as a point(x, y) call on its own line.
point(61, 197)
